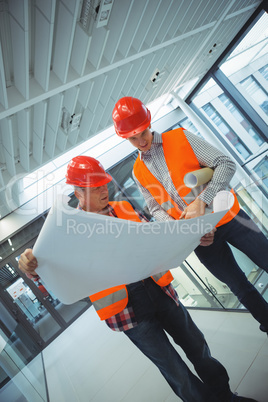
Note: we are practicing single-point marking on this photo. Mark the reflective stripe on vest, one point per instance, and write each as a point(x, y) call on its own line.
point(180, 159)
point(113, 300)
point(110, 301)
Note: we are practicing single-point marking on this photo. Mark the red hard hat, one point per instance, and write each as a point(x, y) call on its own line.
point(130, 117)
point(84, 171)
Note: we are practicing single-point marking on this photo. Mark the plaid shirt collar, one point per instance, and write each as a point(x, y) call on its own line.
point(109, 207)
point(157, 140)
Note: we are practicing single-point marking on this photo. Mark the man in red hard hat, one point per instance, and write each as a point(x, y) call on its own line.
point(163, 161)
point(144, 310)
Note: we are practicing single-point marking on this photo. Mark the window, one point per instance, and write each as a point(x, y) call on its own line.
point(241, 119)
point(255, 91)
point(234, 97)
point(252, 49)
point(226, 130)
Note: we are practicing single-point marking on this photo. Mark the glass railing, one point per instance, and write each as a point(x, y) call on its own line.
point(22, 377)
point(198, 288)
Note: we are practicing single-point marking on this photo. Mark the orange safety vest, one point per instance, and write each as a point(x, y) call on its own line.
point(180, 159)
point(113, 300)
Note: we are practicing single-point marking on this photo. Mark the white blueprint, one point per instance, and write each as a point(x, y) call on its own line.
point(80, 253)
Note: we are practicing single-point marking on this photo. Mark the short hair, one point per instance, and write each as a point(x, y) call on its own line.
point(77, 188)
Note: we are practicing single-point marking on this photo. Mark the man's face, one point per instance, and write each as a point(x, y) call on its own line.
point(93, 199)
point(143, 140)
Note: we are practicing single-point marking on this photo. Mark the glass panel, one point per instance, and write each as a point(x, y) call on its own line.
point(226, 130)
point(188, 125)
point(255, 91)
point(241, 119)
point(202, 289)
point(197, 287)
point(253, 48)
point(251, 207)
point(246, 66)
point(19, 239)
point(247, 69)
point(254, 274)
point(127, 189)
point(28, 304)
point(246, 139)
point(67, 312)
point(262, 171)
point(17, 335)
point(22, 376)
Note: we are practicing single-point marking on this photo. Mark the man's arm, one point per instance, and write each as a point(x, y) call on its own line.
point(224, 169)
point(28, 263)
point(161, 215)
point(223, 166)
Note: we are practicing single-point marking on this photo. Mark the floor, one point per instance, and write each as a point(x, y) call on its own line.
point(89, 362)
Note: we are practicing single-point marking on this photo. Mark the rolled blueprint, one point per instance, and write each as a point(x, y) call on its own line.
point(198, 177)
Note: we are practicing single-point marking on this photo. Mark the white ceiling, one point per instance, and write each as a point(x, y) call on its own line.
point(51, 67)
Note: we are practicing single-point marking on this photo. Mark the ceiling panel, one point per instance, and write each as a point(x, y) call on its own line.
point(53, 67)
